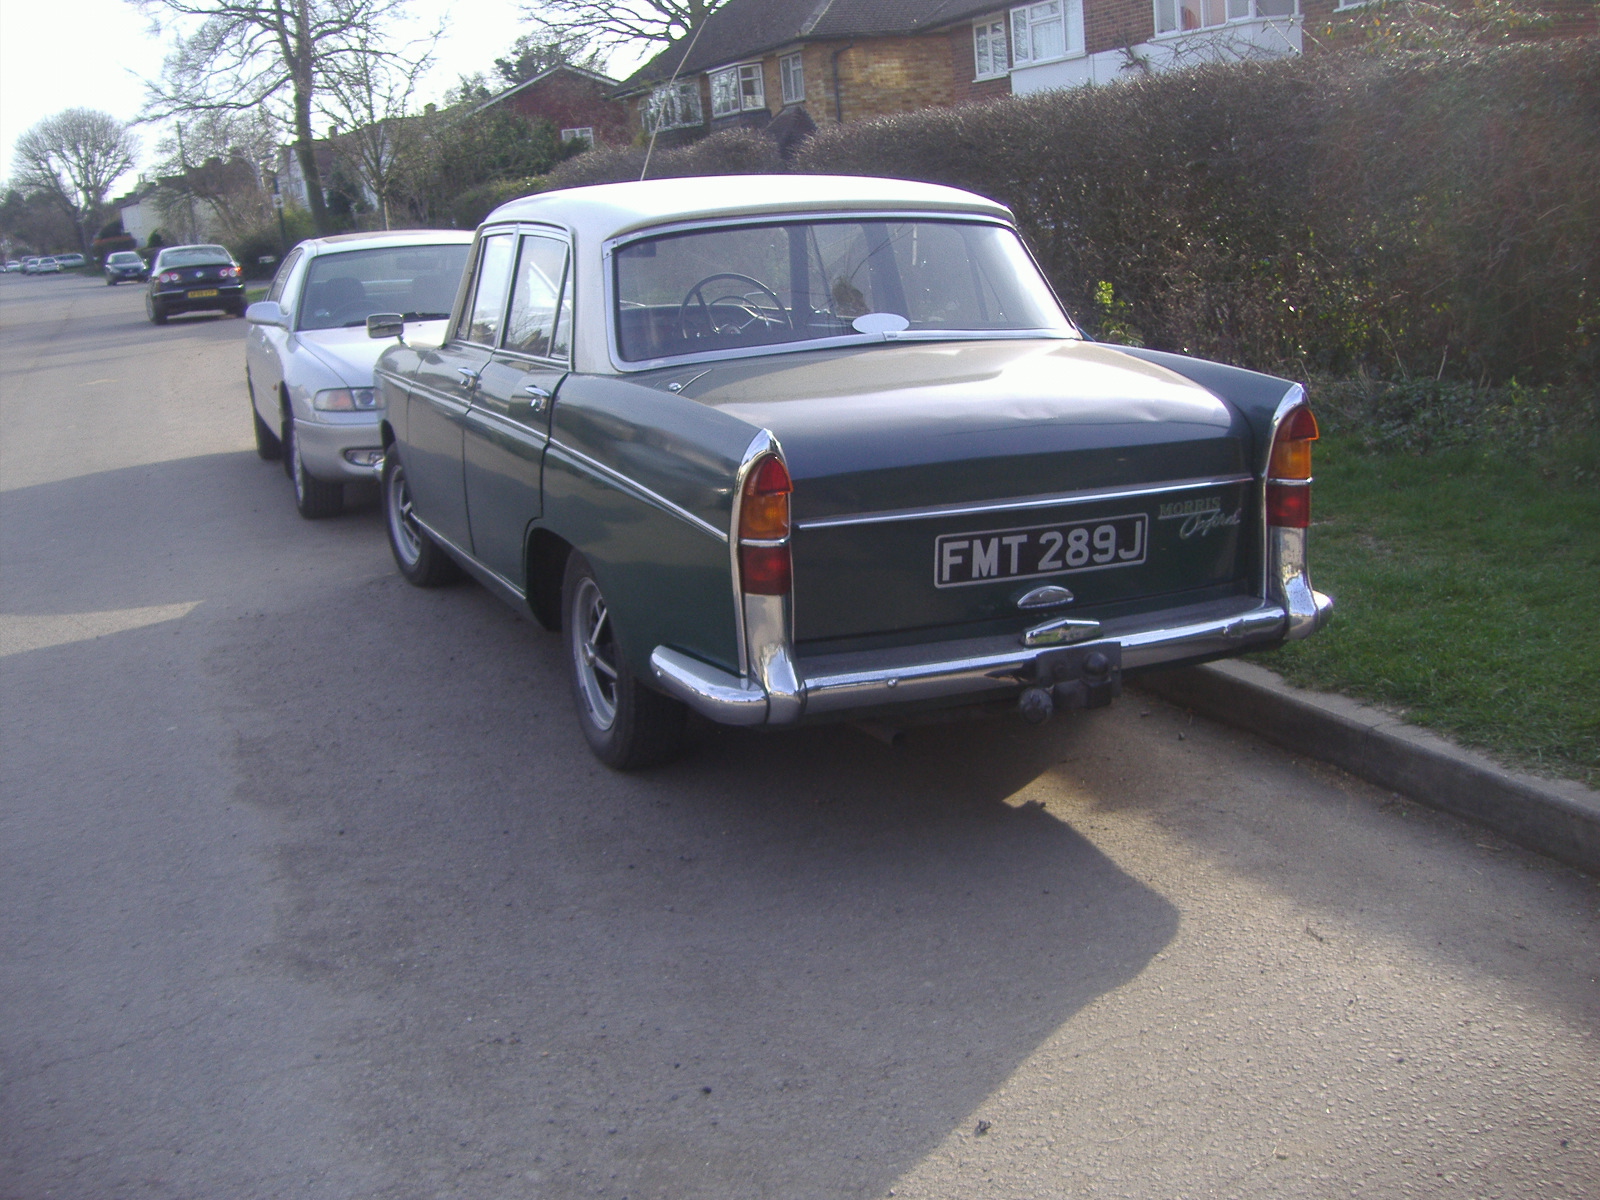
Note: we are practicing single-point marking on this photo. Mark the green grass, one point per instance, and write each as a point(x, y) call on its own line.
point(1468, 586)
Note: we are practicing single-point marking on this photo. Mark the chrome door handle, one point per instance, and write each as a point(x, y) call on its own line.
point(469, 377)
point(537, 395)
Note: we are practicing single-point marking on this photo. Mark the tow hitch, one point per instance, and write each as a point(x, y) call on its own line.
point(1072, 677)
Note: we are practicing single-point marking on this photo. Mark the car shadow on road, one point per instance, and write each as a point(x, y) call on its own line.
point(789, 965)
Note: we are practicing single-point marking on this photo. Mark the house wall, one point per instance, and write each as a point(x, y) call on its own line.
point(882, 76)
point(568, 102)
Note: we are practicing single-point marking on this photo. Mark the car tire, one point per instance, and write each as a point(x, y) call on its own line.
point(111, 283)
point(313, 497)
point(421, 560)
point(157, 314)
point(268, 446)
point(627, 725)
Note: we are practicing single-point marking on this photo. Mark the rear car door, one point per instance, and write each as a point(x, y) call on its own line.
point(508, 424)
point(442, 391)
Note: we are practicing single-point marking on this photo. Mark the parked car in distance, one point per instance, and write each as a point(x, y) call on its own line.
point(68, 261)
point(29, 262)
point(308, 359)
point(786, 449)
point(122, 265)
point(196, 278)
point(46, 266)
point(13, 265)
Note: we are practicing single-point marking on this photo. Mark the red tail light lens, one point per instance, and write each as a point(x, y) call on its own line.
point(764, 529)
point(1289, 505)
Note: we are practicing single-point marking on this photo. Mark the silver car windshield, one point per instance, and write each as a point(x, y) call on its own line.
point(755, 285)
point(419, 282)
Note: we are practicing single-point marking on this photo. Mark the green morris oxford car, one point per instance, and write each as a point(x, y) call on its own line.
point(801, 448)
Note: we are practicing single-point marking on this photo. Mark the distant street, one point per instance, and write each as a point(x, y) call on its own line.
point(309, 888)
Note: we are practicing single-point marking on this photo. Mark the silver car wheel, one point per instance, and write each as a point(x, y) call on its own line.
point(594, 653)
point(407, 537)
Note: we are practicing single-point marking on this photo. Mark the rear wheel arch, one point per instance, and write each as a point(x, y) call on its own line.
point(545, 566)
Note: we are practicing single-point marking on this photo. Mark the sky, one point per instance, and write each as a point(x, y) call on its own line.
point(57, 54)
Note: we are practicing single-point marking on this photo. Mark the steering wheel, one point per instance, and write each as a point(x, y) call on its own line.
point(741, 312)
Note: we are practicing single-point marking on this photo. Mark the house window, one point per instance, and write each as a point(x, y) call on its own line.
point(673, 106)
point(737, 89)
point(582, 134)
point(1180, 16)
point(989, 49)
point(793, 77)
point(1053, 29)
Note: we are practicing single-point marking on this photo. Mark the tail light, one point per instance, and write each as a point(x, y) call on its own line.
point(764, 564)
point(231, 272)
point(1289, 471)
point(169, 277)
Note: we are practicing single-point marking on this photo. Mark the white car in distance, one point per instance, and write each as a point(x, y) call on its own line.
point(309, 361)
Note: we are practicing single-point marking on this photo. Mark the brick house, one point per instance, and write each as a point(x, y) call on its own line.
point(788, 65)
point(576, 101)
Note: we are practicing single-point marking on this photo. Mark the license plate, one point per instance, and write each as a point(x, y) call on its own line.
point(202, 293)
point(962, 559)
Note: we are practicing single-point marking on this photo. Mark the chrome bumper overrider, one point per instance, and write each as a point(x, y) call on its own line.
point(978, 668)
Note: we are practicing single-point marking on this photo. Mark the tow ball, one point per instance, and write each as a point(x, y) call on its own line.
point(1072, 678)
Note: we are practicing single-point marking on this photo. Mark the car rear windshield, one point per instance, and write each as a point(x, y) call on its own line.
point(754, 285)
point(418, 282)
point(195, 256)
point(125, 258)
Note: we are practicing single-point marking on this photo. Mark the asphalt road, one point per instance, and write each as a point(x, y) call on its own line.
point(309, 888)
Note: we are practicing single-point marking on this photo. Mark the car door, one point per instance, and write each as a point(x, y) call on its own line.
point(508, 424)
point(442, 391)
point(264, 345)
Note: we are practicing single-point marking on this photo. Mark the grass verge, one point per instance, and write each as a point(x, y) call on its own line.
point(1461, 539)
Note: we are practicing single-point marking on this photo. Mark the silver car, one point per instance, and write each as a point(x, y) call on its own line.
point(308, 359)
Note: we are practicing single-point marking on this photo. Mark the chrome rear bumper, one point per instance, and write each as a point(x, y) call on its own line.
point(977, 668)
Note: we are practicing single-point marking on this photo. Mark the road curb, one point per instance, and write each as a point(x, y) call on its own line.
point(1555, 817)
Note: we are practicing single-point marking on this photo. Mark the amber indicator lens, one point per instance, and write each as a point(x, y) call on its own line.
point(764, 512)
point(1291, 449)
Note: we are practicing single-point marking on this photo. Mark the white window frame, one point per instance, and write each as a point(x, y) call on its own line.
point(739, 88)
point(792, 78)
point(584, 133)
point(1028, 17)
point(673, 106)
point(988, 36)
point(1169, 14)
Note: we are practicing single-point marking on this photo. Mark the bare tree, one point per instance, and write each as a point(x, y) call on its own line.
point(372, 93)
point(240, 55)
point(539, 50)
point(74, 157)
point(616, 23)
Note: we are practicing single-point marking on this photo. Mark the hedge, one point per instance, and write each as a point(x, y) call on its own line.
point(1417, 215)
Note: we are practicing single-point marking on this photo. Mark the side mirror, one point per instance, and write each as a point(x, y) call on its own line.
point(267, 312)
point(385, 325)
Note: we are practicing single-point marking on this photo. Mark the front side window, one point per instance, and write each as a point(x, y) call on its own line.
point(792, 75)
point(737, 89)
point(989, 49)
point(762, 285)
point(344, 289)
point(536, 294)
point(483, 318)
point(1180, 16)
point(673, 106)
point(1042, 32)
point(281, 279)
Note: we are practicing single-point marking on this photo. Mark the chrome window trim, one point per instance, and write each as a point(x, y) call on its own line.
point(608, 273)
point(934, 512)
point(613, 476)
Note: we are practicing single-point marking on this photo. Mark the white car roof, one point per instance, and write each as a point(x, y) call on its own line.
point(610, 210)
point(338, 243)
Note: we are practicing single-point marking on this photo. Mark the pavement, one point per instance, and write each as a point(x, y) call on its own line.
point(1560, 818)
